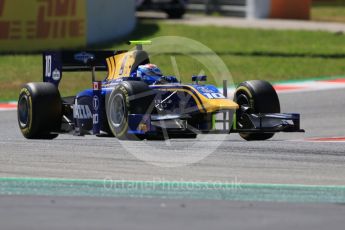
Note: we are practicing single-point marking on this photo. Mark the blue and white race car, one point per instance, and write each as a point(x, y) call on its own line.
point(136, 101)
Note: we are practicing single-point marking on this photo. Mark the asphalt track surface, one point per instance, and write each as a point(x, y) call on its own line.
point(286, 159)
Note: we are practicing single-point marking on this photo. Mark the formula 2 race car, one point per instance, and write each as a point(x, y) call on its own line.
point(129, 106)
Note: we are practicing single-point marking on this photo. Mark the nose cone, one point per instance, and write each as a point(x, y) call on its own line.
point(214, 105)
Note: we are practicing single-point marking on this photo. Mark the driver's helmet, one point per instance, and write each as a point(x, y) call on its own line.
point(149, 73)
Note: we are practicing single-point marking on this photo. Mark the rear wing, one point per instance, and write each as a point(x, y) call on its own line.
point(117, 63)
point(55, 63)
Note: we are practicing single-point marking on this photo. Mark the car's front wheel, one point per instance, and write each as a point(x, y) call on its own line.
point(129, 97)
point(257, 97)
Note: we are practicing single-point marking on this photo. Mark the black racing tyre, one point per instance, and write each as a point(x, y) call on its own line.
point(176, 12)
point(39, 110)
point(129, 97)
point(260, 97)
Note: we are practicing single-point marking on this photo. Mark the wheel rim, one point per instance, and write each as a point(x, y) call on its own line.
point(117, 111)
point(23, 111)
point(243, 100)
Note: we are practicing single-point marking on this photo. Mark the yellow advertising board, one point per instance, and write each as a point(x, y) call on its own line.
point(34, 25)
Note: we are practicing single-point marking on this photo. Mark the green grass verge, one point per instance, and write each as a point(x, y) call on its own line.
point(248, 53)
point(330, 13)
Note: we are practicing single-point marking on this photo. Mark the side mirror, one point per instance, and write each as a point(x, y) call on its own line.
point(196, 79)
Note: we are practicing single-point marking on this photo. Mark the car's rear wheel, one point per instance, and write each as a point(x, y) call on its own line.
point(39, 110)
point(258, 97)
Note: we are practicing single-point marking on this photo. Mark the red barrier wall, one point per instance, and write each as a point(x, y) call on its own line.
point(290, 9)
